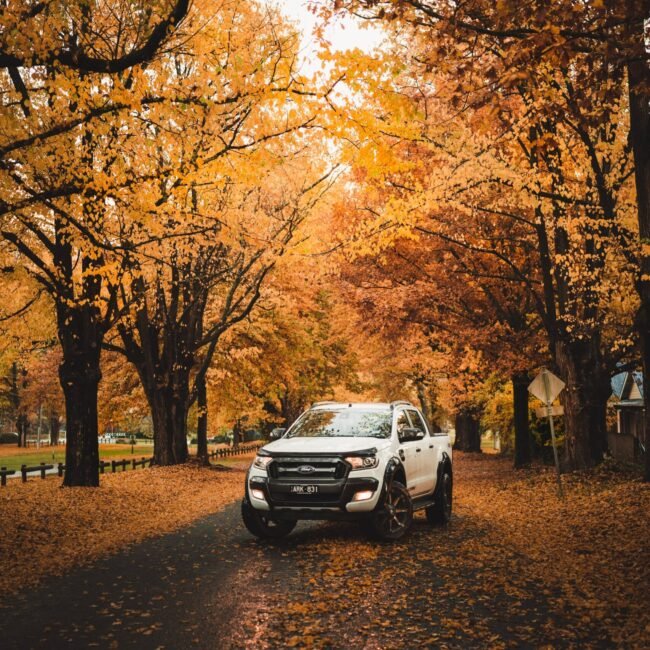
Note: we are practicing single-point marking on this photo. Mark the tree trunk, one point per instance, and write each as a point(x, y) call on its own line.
point(236, 433)
point(55, 427)
point(284, 408)
point(468, 435)
point(646, 402)
point(169, 417)
point(22, 426)
point(202, 425)
point(585, 401)
point(80, 375)
point(421, 388)
point(639, 86)
point(523, 444)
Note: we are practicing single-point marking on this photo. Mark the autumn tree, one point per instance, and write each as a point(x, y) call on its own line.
point(514, 178)
point(508, 44)
point(183, 305)
point(28, 336)
point(65, 69)
point(122, 404)
point(295, 350)
point(43, 395)
point(95, 148)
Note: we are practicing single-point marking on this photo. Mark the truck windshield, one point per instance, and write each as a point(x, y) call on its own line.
point(344, 423)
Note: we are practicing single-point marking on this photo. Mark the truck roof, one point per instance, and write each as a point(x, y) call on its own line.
point(378, 406)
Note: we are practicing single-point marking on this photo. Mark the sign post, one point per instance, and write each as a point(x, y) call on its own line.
point(546, 387)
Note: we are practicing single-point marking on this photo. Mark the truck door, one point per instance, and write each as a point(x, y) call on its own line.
point(426, 454)
point(408, 453)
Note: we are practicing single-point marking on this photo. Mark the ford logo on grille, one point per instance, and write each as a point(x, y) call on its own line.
point(306, 469)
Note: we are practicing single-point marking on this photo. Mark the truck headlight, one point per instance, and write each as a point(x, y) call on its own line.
point(262, 461)
point(362, 462)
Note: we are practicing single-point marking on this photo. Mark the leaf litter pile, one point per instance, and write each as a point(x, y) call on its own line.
point(516, 567)
point(47, 529)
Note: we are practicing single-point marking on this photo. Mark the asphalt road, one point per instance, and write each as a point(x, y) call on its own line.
point(200, 587)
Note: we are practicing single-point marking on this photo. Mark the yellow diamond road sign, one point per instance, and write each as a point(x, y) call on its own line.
point(546, 386)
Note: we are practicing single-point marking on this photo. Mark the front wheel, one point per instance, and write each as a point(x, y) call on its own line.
point(440, 511)
point(394, 517)
point(260, 525)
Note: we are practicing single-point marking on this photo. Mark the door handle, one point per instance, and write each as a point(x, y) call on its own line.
point(430, 446)
point(417, 449)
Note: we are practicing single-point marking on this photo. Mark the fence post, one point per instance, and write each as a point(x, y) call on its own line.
point(23, 471)
point(42, 470)
point(113, 466)
point(60, 468)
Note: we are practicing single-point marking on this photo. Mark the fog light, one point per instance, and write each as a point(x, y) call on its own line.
point(363, 495)
point(258, 494)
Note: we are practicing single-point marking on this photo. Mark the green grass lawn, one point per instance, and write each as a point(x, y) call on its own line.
point(47, 455)
point(11, 458)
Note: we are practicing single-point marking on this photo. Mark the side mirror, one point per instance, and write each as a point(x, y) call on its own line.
point(407, 434)
point(277, 433)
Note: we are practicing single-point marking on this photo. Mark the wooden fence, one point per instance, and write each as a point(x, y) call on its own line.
point(44, 468)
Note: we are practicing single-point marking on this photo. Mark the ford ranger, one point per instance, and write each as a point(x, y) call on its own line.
point(375, 463)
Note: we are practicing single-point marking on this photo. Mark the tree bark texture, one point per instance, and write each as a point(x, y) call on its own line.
point(81, 340)
point(639, 87)
point(523, 443)
point(55, 428)
point(468, 434)
point(202, 425)
point(585, 402)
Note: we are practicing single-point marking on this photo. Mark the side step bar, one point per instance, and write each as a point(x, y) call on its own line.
point(421, 504)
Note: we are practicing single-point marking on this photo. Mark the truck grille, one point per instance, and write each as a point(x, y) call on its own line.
point(305, 469)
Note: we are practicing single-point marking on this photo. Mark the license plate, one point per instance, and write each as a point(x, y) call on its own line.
point(304, 489)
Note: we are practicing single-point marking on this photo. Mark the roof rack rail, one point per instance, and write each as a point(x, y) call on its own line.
point(323, 403)
point(400, 402)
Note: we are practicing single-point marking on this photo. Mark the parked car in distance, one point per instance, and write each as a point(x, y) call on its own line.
point(374, 463)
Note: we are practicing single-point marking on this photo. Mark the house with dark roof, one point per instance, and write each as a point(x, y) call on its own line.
point(628, 441)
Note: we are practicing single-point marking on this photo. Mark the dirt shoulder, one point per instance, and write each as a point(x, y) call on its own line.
point(47, 530)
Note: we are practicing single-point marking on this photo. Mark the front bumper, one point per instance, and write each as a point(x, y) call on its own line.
point(332, 501)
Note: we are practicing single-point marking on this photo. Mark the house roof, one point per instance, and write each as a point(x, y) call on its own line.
point(623, 381)
point(618, 384)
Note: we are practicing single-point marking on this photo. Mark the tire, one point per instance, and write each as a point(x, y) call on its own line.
point(440, 512)
point(261, 525)
point(393, 518)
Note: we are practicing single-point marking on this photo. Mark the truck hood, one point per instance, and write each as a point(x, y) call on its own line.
point(324, 445)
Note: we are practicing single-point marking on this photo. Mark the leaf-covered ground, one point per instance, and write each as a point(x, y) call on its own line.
point(47, 530)
point(517, 567)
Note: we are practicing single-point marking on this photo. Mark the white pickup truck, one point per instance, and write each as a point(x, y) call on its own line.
point(377, 463)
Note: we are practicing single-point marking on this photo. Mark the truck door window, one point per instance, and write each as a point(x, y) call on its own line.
point(402, 425)
point(416, 421)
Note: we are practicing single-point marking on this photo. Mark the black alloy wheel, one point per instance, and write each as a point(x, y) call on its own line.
point(393, 519)
point(261, 525)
